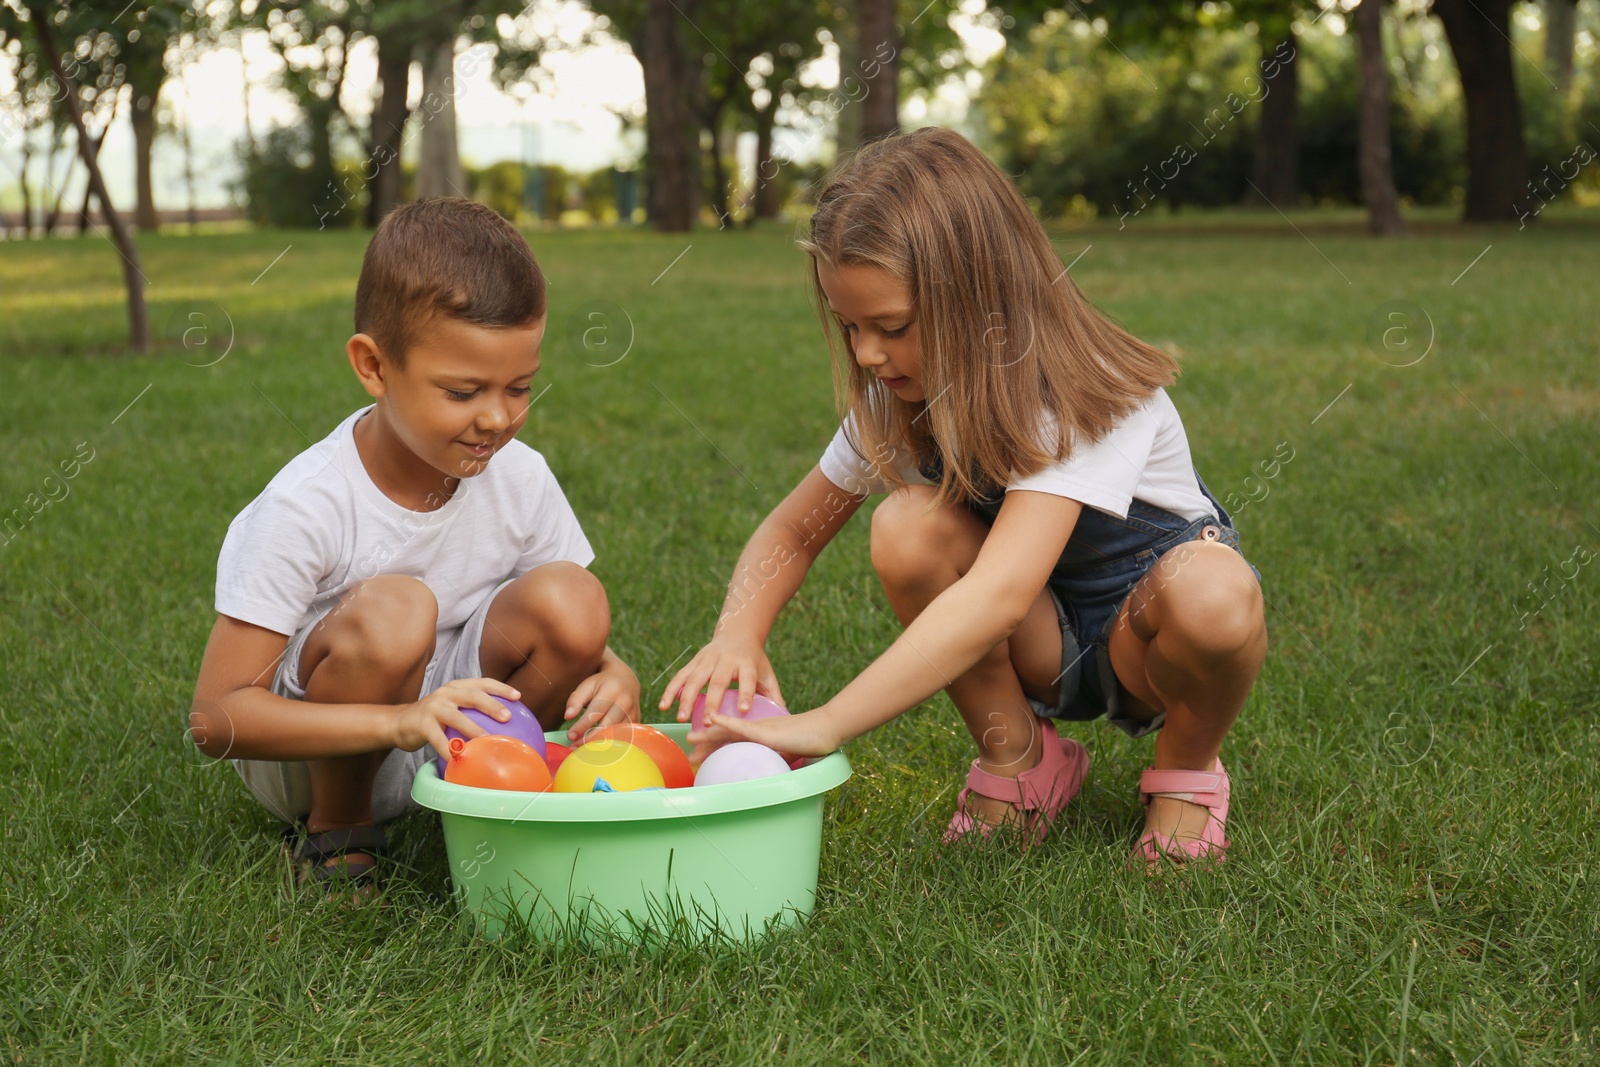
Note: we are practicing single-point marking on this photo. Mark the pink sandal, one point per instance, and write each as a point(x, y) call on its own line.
point(1041, 791)
point(1207, 788)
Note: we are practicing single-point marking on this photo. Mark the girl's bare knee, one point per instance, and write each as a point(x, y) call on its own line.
point(912, 537)
point(1215, 608)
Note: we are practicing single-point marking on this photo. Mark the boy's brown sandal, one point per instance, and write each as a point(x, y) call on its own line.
point(355, 851)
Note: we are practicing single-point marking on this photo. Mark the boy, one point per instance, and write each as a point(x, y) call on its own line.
point(416, 561)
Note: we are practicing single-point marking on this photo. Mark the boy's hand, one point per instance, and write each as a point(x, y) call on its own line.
point(726, 661)
point(610, 695)
point(424, 722)
point(811, 733)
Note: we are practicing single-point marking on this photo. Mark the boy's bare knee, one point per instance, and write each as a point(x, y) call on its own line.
point(568, 605)
point(386, 623)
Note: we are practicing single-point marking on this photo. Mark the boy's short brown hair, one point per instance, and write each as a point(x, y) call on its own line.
point(444, 257)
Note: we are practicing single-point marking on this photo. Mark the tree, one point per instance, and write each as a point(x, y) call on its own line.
point(44, 21)
point(880, 67)
point(655, 29)
point(1173, 26)
point(1277, 168)
point(33, 108)
point(439, 170)
point(880, 55)
point(1377, 171)
point(1560, 30)
point(435, 30)
point(1479, 32)
point(179, 124)
point(396, 43)
point(846, 30)
point(143, 39)
point(752, 49)
point(313, 39)
point(779, 76)
point(103, 55)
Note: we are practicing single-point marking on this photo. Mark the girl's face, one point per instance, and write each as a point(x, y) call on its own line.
point(874, 310)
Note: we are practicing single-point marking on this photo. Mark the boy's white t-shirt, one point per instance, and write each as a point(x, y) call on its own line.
point(321, 526)
point(1145, 456)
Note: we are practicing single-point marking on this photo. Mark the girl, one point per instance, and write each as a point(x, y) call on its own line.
point(1046, 541)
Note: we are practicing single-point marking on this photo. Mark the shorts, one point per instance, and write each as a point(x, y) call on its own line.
point(1105, 559)
point(284, 786)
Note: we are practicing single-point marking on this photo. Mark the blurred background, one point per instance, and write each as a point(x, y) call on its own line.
point(197, 115)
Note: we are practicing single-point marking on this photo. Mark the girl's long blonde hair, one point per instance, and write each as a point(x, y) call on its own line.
point(1007, 339)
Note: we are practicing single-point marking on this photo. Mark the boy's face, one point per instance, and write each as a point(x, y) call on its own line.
point(462, 394)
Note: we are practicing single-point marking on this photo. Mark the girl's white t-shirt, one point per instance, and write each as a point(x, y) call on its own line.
point(1145, 456)
point(321, 526)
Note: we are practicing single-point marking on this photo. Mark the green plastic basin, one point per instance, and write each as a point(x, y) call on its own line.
point(736, 861)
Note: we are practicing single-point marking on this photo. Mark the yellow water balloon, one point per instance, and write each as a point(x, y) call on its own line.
point(620, 766)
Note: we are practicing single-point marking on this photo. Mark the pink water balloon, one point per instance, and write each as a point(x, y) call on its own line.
point(760, 708)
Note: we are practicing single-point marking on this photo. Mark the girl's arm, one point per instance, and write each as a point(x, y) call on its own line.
point(770, 570)
point(977, 612)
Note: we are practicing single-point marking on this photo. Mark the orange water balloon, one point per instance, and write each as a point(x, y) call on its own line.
point(496, 761)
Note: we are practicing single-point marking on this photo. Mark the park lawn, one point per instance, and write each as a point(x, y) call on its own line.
point(1413, 876)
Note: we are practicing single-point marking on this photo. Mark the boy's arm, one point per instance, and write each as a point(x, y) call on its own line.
point(235, 715)
point(611, 695)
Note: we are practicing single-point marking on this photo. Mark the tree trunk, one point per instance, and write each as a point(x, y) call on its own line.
point(1277, 170)
point(53, 217)
point(880, 68)
point(439, 169)
point(847, 98)
point(144, 139)
point(249, 129)
point(388, 126)
point(188, 165)
point(1377, 170)
point(86, 207)
point(1497, 161)
point(719, 173)
point(27, 190)
point(723, 142)
point(1560, 28)
point(132, 276)
point(766, 196)
point(672, 136)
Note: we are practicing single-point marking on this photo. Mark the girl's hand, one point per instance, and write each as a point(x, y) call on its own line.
point(611, 696)
point(811, 733)
point(424, 722)
point(726, 661)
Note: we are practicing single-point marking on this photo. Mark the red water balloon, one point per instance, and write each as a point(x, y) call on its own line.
point(554, 753)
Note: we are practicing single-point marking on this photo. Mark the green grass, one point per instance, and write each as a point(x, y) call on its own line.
point(1413, 877)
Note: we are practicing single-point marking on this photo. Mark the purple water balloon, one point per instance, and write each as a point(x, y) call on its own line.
point(523, 726)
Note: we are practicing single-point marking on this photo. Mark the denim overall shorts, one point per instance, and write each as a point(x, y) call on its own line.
point(1103, 560)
